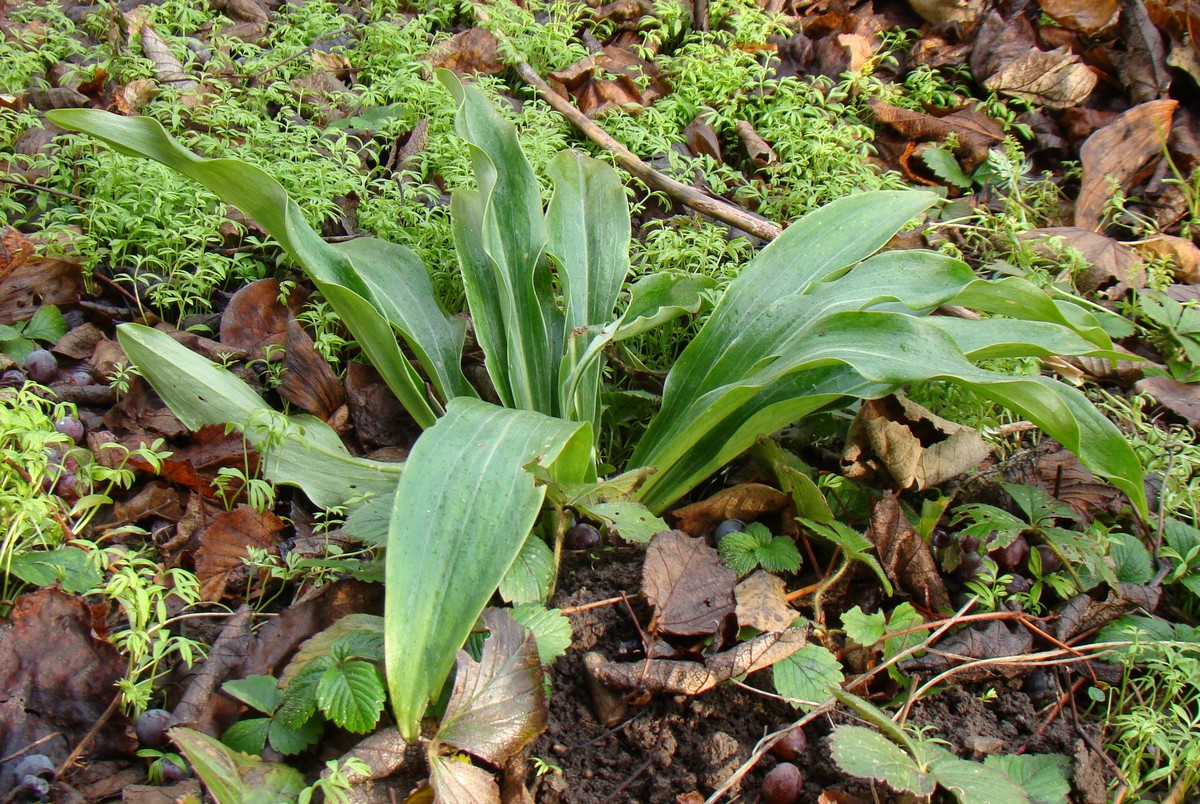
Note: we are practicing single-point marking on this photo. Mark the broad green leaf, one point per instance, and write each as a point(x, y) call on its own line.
point(1133, 561)
point(289, 741)
point(47, 324)
point(869, 755)
point(1045, 778)
point(397, 288)
point(260, 692)
point(498, 704)
point(549, 627)
point(500, 235)
point(658, 298)
point(351, 694)
point(233, 777)
point(633, 521)
point(248, 736)
point(865, 629)
point(8, 333)
point(970, 782)
point(299, 701)
point(73, 569)
point(795, 479)
point(528, 579)
point(297, 450)
point(463, 510)
point(807, 675)
point(943, 165)
point(358, 634)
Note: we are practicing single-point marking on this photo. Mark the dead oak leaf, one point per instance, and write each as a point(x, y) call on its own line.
point(687, 584)
point(224, 546)
point(1005, 59)
point(905, 556)
point(762, 603)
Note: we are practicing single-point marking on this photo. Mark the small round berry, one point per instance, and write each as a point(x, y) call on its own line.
point(41, 366)
point(71, 427)
point(791, 745)
point(1050, 560)
point(941, 538)
point(783, 785)
point(582, 537)
point(172, 773)
point(152, 726)
point(724, 529)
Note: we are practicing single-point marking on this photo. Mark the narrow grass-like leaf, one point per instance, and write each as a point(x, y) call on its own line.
point(461, 516)
point(297, 450)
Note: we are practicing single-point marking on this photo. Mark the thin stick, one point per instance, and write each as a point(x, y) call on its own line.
point(38, 188)
point(589, 606)
point(87, 738)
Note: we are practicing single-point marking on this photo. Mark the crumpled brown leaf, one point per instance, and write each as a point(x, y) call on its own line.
point(1086, 16)
point(906, 558)
point(255, 319)
point(224, 543)
point(995, 640)
point(1182, 399)
point(1084, 612)
point(619, 88)
point(1005, 59)
point(1110, 260)
point(918, 448)
point(195, 708)
point(692, 678)
point(975, 132)
point(688, 585)
point(747, 501)
point(1123, 150)
point(457, 782)
point(474, 50)
point(15, 248)
point(949, 12)
point(308, 382)
point(762, 602)
point(1183, 254)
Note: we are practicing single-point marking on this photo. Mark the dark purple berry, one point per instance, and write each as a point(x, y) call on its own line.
point(1013, 555)
point(725, 528)
point(783, 785)
point(582, 537)
point(1050, 560)
point(35, 765)
point(71, 427)
point(41, 366)
point(1019, 585)
point(969, 544)
point(152, 726)
point(968, 566)
point(1038, 685)
point(172, 773)
point(34, 788)
point(67, 487)
point(791, 745)
point(940, 538)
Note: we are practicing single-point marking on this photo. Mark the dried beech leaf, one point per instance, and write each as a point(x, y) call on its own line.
point(762, 603)
point(747, 501)
point(1005, 59)
point(1183, 254)
point(498, 704)
point(994, 640)
point(255, 319)
point(308, 382)
point(379, 418)
point(79, 343)
point(702, 139)
point(1121, 150)
point(475, 50)
point(906, 558)
point(689, 587)
point(225, 540)
point(1182, 399)
point(167, 68)
point(456, 782)
point(1109, 259)
point(949, 12)
point(1086, 16)
point(692, 678)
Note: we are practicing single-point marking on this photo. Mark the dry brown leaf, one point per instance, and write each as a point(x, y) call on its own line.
point(80, 342)
point(15, 248)
point(155, 499)
point(905, 556)
point(308, 382)
point(1142, 63)
point(142, 414)
point(1183, 254)
point(688, 585)
point(702, 139)
point(620, 87)
point(197, 709)
point(1005, 59)
point(692, 678)
point(760, 153)
point(858, 48)
point(1182, 399)
point(975, 132)
point(1086, 16)
point(224, 543)
point(167, 68)
point(949, 12)
point(995, 640)
point(1122, 150)
point(475, 50)
point(256, 319)
point(918, 448)
point(747, 501)
point(762, 602)
point(1109, 259)
point(379, 418)
point(36, 281)
point(384, 753)
point(1084, 613)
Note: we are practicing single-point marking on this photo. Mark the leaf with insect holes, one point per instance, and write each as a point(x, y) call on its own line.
point(351, 694)
point(756, 547)
point(1045, 778)
point(550, 627)
point(869, 755)
point(633, 521)
point(807, 675)
point(528, 579)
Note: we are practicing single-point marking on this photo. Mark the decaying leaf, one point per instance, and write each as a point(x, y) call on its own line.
point(620, 86)
point(15, 248)
point(1084, 612)
point(1183, 254)
point(167, 68)
point(1086, 16)
point(1123, 150)
point(200, 707)
point(1109, 260)
point(747, 501)
point(36, 281)
point(220, 561)
point(1182, 399)
point(456, 782)
point(308, 381)
point(689, 587)
point(1005, 59)
point(905, 556)
point(692, 678)
point(993, 640)
point(919, 448)
point(974, 131)
point(256, 319)
point(384, 753)
point(498, 704)
point(379, 418)
point(762, 603)
point(474, 50)
point(949, 12)
point(56, 679)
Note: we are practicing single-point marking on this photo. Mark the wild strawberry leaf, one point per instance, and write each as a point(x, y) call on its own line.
point(351, 694)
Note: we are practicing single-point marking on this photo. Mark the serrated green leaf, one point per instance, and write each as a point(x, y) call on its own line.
point(807, 675)
point(528, 579)
point(739, 550)
point(633, 521)
point(550, 627)
point(299, 700)
point(943, 165)
point(498, 704)
point(971, 782)
point(259, 692)
point(778, 555)
point(1045, 778)
point(70, 567)
point(248, 736)
point(289, 741)
point(1133, 561)
point(867, 754)
point(351, 695)
point(865, 629)
point(359, 634)
point(47, 324)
